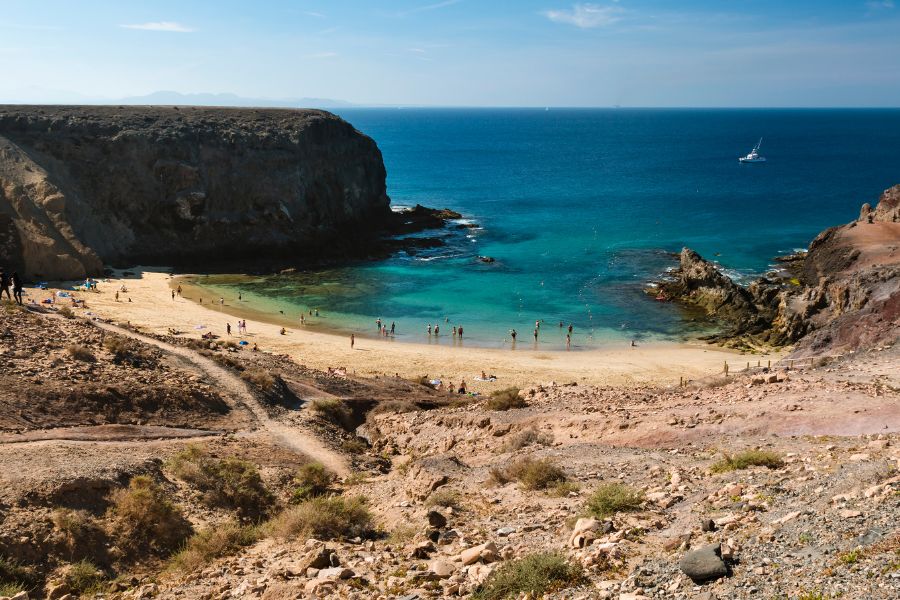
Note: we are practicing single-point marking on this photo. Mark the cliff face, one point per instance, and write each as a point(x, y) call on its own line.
point(846, 296)
point(83, 186)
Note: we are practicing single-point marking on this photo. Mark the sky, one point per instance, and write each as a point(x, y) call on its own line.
point(738, 53)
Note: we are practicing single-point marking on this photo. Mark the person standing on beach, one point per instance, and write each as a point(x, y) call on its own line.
point(393, 325)
point(436, 330)
point(302, 319)
point(459, 331)
point(454, 331)
point(178, 290)
point(4, 285)
point(570, 329)
point(535, 334)
point(240, 296)
point(17, 288)
point(429, 330)
point(352, 341)
point(173, 295)
point(378, 323)
point(568, 341)
point(228, 328)
point(513, 334)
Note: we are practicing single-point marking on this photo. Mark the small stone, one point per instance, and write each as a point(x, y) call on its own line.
point(849, 514)
point(707, 525)
point(505, 531)
point(335, 573)
point(442, 568)
point(436, 519)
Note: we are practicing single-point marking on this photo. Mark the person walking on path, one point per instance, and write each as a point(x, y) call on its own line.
point(17, 288)
point(4, 285)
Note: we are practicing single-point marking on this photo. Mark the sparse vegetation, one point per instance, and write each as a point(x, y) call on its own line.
point(14, 577)
point(125, 351)
point(811, 595)
point(260, 378)
point(84, 577)
point(536, 474)
point(354, 446)
point(527, 437)
point(564, 488)
point(81, 353)
point(748, 458)
point(445, 497)
point(324, 518)
point(144, 521)
point(332, 410)
point(613, 498)
point(80, 530)
point(535, 575)
point(228, 482)
point(215, 542)
point(505, 399)
point(312, 480)
point(66, 312)
point(850, 558)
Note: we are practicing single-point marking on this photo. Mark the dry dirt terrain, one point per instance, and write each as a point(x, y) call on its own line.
point(136, 466)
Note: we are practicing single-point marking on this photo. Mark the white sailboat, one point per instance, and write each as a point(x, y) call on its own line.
point(754, 156)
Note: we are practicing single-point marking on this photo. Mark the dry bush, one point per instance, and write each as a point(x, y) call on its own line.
point(446, 497)
point(505, 400)
point(498, 477)
point(526, 438)
point(81, 353)
point(66, 312)
point(15, 578)
point(228, 482)
point(214, 542)
point(393, 406)
point(312, 480)
point(126, 351)
point(533, 576)
point(613, 498)
point(748, 458)
point(536, 474)
point(354, 446)
point(144, 521)
point(260, 378)
point(324, 518)
point(332, 410)
point(80, 531)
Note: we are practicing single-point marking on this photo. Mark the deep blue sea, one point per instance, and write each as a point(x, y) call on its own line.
point(581, 207)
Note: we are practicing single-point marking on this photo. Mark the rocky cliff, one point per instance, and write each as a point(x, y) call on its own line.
point(843, 294)
point(83, 186)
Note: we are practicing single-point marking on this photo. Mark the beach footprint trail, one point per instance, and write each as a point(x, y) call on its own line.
point(235, 387)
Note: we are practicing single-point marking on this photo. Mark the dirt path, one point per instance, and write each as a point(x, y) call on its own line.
point(236, 387)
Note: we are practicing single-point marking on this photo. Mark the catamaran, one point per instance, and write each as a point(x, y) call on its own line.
point(754, 156)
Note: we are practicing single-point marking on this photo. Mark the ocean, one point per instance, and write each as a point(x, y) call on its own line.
point(580, 209)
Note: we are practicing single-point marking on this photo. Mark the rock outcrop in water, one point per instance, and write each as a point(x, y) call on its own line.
point(83, 186)
point(841, 295)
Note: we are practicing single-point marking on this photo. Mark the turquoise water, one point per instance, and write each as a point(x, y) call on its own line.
point(580, 208)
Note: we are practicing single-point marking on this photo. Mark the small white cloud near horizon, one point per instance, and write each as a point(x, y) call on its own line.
point(170, 26)
point(586, 16)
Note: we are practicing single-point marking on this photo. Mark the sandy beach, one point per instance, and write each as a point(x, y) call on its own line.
point(152, 309)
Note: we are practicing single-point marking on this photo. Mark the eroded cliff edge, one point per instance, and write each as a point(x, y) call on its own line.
point(81, 186)
point(842, 295)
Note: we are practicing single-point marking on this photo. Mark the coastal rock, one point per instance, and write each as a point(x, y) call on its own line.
point(82, 186)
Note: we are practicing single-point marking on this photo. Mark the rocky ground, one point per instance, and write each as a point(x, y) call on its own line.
point(628, 487)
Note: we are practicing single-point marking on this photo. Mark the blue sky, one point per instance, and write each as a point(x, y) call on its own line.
point(459, 52)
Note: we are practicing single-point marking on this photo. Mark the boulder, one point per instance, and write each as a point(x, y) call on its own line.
point(436, 519)
point(704, 564)
point(442, 568)
point(486, 552)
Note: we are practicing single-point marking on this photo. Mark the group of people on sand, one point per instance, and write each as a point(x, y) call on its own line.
point(513, 334)
point(7, 280)
point(435, 330)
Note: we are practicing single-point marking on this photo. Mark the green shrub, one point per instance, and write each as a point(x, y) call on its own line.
point(312, 480)
point(228, 482)
point(214, 542)
point(83, 578)
point(332, 410)
point(526, 438)
point(81, 353)
point(143, 520)
point(748, 458)
point(505, 400)
point(536, 474)
point(14, 577)
point(613, 498)
point(324, 518)
point(537, 575)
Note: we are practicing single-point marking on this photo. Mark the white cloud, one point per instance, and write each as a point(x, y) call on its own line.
point(878, 4)
point(170, 26)
point(312, 13)
point(586, 16)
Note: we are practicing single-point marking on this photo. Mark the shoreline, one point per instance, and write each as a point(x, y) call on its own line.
point(151, 309)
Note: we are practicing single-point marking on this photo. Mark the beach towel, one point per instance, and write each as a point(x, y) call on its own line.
point(242, 343)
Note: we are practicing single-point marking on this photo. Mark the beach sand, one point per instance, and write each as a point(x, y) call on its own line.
point(152, 309)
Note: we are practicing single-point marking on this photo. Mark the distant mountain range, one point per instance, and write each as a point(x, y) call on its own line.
point(38, 95)
point(204, 99)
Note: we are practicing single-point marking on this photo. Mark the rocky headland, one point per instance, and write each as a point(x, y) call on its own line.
point(842, 295)
point(82, 187)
